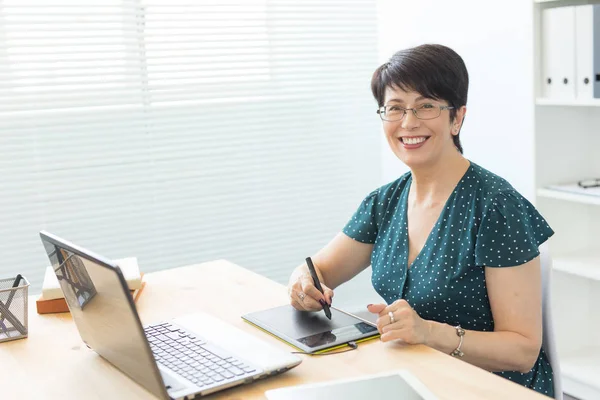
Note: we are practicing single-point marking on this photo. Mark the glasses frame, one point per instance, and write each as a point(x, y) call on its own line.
point(381, 112)
point(589, 183)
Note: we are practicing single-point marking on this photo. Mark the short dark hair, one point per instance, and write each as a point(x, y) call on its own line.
point(433, 70)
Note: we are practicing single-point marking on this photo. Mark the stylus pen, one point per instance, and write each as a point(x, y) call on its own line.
point(12, 293)
point(313, 273)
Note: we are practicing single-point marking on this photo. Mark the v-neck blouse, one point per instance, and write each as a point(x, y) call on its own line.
point(484, 223)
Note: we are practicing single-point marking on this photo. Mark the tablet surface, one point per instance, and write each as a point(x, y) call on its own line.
point(399, 384)
point(312, 331)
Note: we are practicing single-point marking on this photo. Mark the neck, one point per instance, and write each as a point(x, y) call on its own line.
point(432, 184)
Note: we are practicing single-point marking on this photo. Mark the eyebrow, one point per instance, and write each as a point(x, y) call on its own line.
point(420, 98)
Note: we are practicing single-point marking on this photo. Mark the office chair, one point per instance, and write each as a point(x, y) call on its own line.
point(549, 340)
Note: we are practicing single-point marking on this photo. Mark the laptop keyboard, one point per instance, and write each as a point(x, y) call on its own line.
point(193, 358)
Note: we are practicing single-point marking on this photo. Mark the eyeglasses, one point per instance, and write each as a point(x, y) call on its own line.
point(425, 111)
point(592, 183)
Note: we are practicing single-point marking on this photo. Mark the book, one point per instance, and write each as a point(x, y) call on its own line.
point(52, 299)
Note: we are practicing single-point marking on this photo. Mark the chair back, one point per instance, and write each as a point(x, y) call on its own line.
point(549, 340)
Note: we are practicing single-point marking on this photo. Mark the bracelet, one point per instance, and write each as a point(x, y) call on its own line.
point(460, 332)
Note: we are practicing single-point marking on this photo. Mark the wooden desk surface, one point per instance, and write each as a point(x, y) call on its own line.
point(53, 363)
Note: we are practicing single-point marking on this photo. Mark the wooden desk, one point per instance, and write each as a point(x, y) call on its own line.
point(53, 363)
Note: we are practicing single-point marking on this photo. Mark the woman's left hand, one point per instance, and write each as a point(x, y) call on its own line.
point(407, 326)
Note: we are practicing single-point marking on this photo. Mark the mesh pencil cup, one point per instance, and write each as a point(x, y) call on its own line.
point(13, 308)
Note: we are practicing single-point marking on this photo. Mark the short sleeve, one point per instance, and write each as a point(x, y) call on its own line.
point(510, 232)
point(363, 226)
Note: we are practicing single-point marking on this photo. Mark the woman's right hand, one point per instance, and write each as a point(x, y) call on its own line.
point(303, 293)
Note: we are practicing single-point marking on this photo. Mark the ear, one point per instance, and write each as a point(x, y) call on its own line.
point(458, 120)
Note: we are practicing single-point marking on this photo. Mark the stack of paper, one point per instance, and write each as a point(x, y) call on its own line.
point(52, 299)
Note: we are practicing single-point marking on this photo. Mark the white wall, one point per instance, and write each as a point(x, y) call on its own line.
point(496, 41)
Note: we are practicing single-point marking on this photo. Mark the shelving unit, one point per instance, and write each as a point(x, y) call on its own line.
point(567, 140)
point(586, 265)
point(540, 101)
point(570, 193)
point(581, 372)
point(559, 3)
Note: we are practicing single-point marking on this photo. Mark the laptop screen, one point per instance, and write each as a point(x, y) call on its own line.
point(103, 311)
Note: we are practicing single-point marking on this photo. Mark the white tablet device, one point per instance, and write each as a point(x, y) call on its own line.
point(399, 384)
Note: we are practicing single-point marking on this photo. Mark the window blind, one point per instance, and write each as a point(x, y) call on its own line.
point(184, 131)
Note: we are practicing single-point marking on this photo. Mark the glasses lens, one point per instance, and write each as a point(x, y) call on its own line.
point(428, 111)
point(392, 113)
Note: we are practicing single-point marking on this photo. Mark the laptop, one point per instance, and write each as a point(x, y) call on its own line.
point(401, 385)
point(192, 355)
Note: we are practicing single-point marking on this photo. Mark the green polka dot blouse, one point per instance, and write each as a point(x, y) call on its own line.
point(485, 222)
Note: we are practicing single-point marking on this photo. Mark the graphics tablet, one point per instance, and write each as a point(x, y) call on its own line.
point(312, 332)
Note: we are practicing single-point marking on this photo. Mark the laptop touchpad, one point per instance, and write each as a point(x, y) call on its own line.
point(171, 383)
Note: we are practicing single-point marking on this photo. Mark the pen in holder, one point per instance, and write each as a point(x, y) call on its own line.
point(13, 308)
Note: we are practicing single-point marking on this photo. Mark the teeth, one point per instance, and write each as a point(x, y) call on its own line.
point(413, 140)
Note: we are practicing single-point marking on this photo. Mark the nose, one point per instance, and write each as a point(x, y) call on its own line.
point(410, 121)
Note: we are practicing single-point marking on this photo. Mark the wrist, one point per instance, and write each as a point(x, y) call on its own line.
point(441, 337)
point(430, 335)
point(460, 332)
point(299, 272)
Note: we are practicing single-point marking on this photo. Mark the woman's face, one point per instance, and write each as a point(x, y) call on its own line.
point(417, 142)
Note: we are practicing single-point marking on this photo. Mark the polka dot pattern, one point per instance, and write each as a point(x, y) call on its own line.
point(485, 222)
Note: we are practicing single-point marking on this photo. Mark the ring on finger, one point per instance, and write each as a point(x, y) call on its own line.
point(301, 296)
point(392, 319)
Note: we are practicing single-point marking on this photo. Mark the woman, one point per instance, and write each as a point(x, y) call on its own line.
point(454, 248)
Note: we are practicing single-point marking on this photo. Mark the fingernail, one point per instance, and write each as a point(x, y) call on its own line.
point(322, 303)
point(369, 305)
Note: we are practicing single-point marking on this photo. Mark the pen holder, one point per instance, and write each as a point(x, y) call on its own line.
point(13, 308)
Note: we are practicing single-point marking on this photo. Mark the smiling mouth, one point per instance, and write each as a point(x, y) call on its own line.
point(414, 139)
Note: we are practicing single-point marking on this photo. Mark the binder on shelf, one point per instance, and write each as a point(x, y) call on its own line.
point(596, 45)
point(584, 51)
point(558, 52)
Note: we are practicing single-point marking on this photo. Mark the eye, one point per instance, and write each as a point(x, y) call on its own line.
point(427, 106)
point(394, 108)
